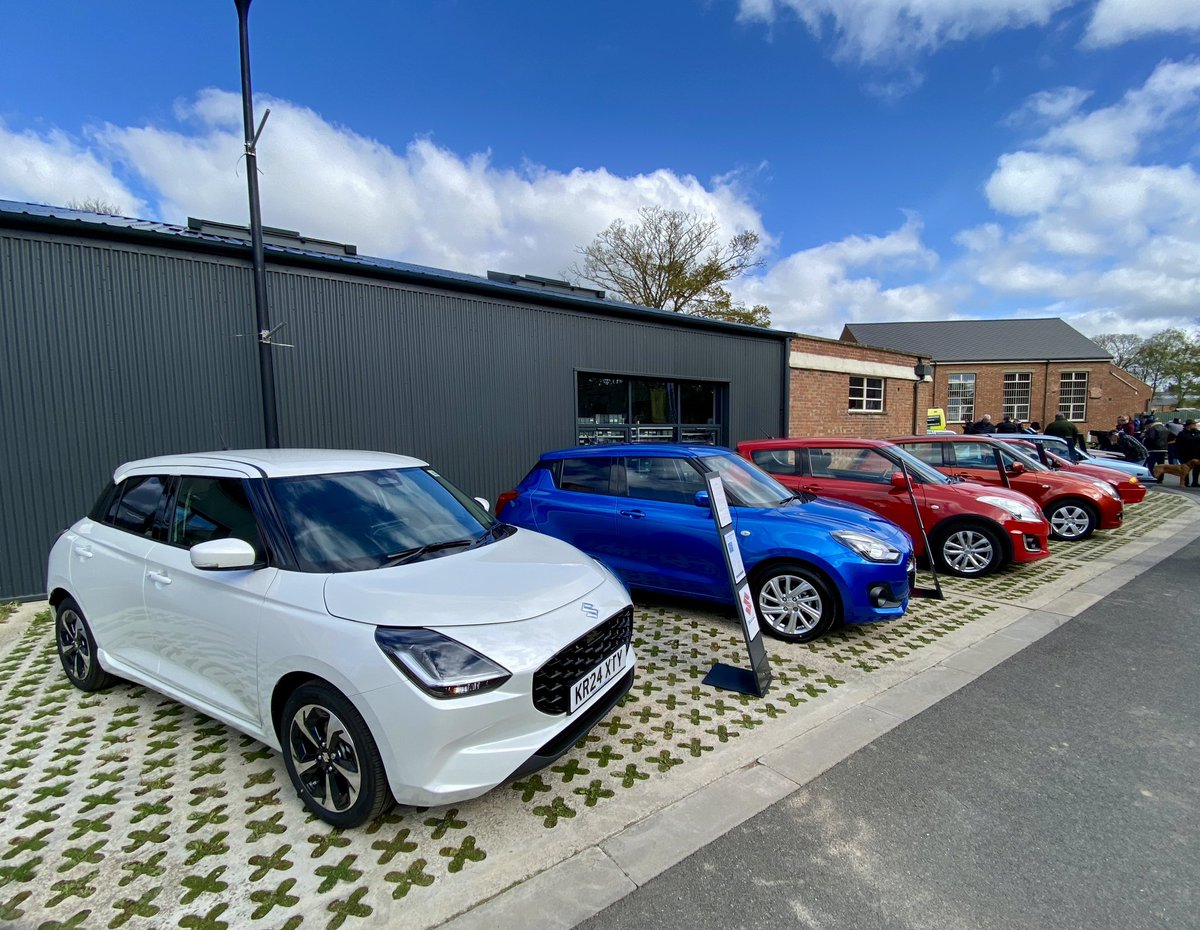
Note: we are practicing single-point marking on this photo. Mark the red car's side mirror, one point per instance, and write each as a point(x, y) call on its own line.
point(898, 480)
point(1017, 469)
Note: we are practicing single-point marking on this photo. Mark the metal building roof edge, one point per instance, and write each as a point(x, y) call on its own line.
point(16, 214)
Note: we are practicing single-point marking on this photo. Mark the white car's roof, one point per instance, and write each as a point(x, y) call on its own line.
point(270, 463)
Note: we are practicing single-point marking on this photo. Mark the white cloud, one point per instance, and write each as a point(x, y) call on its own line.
point(1055, 104)
point(1119, 131)
point(425, 204)
point(1116, 21)
point(883, 31)
point(819, 289)
point(53, 168)
point(1090, 228)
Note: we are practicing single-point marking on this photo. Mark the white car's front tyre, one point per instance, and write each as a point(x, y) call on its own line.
point(332, 758)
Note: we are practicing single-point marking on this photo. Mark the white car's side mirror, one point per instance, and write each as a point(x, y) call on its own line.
point(222, 555)
point(484, 503)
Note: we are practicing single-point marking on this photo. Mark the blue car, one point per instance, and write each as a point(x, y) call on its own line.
point(643, 511)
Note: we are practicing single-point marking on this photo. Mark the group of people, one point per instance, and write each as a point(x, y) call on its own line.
point(1140, 438)
point(985, 427)
point(1175, 443)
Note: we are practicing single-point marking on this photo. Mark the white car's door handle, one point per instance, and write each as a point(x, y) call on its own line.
point(159, 577)
point(84, 552)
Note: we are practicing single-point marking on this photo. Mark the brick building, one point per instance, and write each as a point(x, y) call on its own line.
point(842, 389)
point(1026, 369)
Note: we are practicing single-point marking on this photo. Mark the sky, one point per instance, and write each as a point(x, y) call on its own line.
point(899, 159)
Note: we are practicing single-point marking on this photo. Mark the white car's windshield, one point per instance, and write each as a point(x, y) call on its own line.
point(371, 519)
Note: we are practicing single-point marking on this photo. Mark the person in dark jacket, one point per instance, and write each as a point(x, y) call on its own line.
point(1187, 447)
point(1008, 425)
point(1065, 429)
point(982, 427)
point(1155, 439)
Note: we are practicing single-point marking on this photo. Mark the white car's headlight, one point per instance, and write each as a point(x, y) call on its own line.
point(1013, 508)
point(871, 548)
point(439, 665)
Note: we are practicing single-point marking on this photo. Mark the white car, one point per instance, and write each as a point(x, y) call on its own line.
point(352, 610)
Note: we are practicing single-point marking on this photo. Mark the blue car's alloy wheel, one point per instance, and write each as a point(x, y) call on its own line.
point(794, 603)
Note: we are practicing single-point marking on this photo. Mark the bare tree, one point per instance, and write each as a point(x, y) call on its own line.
point(1122, 346)
point(95, 205)
point(673, 260)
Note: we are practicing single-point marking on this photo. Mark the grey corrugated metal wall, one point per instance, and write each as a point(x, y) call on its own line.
point(119, 351)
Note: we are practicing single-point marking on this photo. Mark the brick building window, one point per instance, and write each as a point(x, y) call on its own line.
point(1072, 395)
point(960, 398)
point(1016, 394)
point(866, 395)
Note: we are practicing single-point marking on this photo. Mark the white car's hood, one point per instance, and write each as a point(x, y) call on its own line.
point(523, 576)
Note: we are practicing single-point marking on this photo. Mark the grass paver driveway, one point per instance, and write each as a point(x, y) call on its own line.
point(125, 809)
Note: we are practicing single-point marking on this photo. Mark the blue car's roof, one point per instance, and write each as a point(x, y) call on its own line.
point(678, 450)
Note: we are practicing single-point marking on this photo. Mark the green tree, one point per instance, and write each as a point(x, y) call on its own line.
point(673, 260)
point(1169, 360)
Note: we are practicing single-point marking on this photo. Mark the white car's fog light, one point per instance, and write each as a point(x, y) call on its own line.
point(438, 664)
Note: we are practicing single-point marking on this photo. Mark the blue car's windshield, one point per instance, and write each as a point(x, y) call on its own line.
point(745, 484)
point(357, 521)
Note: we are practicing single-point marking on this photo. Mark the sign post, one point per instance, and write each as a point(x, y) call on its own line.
point(756, 679)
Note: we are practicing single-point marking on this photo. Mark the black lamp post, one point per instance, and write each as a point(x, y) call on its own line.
point(266, 369)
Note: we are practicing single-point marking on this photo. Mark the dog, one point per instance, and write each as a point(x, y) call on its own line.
point(1181, 470)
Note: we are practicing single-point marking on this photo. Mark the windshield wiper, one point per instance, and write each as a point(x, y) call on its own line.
point(497, 530)
point(409, 555)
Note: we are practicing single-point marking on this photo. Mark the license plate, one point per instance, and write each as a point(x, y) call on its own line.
point(597, 678)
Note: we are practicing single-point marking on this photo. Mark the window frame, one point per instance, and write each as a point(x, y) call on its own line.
point(865, 399)
point(955, 405)
point(1013, 409)
point(1066, 378)
point(716, 432)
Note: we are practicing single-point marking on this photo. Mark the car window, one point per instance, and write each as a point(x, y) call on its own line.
point(659, 478)
point(928, 452)
point(213, 508)
point(780, 461)
point(850, 464)
point(134, 508)
point(746, 485)
point(357, 521)
point(587, 475)
point(974, 455)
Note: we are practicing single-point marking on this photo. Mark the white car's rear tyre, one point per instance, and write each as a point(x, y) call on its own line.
point(77, 648)
point(332, 758)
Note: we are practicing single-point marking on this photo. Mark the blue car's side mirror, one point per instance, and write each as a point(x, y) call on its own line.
point(702, 500)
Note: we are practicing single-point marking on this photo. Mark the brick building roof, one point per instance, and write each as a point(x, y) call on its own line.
point(1036, 340)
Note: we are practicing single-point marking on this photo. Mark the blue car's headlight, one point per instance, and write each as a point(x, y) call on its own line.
point(871, 548)
point(439, 665)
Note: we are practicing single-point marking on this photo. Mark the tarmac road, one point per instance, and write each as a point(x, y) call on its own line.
point(1059, 790)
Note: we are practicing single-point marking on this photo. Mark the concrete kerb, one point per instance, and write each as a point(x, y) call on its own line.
point(853, 719)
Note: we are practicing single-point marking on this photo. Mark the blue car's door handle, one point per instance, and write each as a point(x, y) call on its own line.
point(636, 514)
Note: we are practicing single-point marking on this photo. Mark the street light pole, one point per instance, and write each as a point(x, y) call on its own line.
point(266, 369)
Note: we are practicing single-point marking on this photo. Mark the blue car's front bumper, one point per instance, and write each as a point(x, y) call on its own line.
point(873, 591)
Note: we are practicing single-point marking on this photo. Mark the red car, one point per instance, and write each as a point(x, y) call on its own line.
point(1075, 504)
point(1131, 490)
point(973, 529)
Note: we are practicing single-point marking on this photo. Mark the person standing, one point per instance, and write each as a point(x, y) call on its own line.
point(1175, 427)
point(1155, 440)
point(1008, 425)
point(982, 427)
point(1065, 429)
point(1187, 447)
